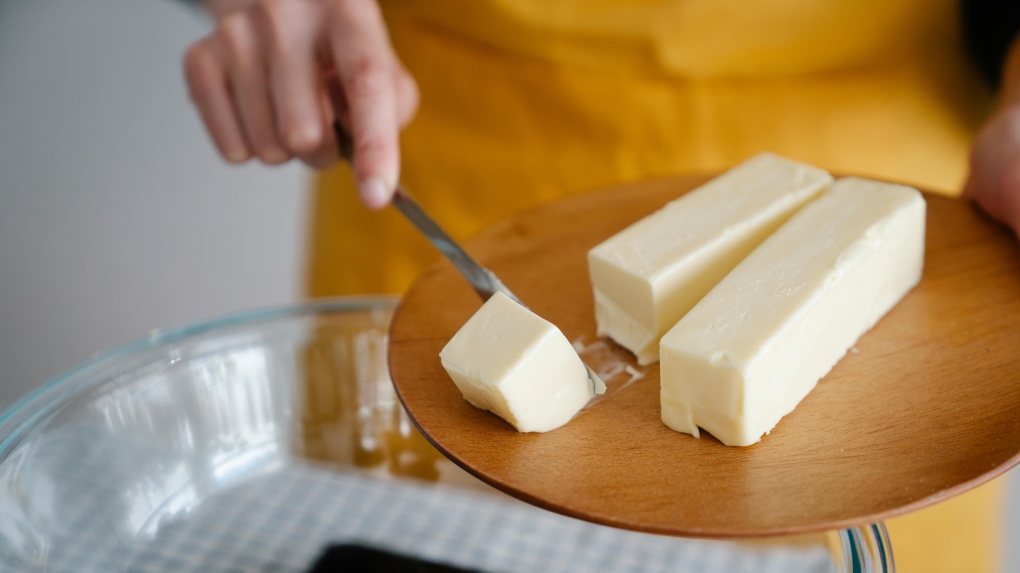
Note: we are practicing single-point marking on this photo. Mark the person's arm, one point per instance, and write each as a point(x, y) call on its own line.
point(262, 82)
point(991, 33)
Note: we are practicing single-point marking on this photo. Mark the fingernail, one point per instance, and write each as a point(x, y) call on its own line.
point(374, 192)
point(237, 156)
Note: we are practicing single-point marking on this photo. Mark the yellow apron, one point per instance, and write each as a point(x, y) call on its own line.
point(527, 101)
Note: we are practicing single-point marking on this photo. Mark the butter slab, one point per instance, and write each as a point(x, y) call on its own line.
point(758, 343)
point(517, 365)
point(649, 275)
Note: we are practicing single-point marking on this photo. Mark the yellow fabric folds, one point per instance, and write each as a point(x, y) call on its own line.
point(521, 106)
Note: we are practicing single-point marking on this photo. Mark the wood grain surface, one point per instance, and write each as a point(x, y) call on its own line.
point(928, 406)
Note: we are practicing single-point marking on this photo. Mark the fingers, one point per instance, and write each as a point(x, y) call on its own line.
point(994, 179)
point(242, 51)
point(207, 84)
point(260, 85)
point(368, 73)
point(295, 79)
point(1006, 206)
point(227, 78)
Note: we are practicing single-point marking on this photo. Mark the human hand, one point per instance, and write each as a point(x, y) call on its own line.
point(270, 79)
point(994, 182)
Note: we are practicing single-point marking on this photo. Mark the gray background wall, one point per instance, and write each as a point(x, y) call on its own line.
point(116, 217)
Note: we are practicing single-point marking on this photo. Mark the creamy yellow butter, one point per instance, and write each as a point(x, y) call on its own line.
point(754, 347)
point(646, 277)
point(512, 362)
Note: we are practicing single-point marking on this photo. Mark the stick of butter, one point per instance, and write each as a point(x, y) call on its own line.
point(754, 347)
point(648, 276)
point(512, 362)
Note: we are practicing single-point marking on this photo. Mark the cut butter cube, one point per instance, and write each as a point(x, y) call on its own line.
point(754, 347)
point(512, 362)
point(646, 277)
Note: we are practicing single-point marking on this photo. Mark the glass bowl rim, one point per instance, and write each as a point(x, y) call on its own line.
point(17, 420)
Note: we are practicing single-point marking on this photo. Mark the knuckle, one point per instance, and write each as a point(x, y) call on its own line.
point(368, 77)
point(371, 151)
point(234, 34)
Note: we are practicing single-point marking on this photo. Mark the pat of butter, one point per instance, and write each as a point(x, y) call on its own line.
point(754, 347)
point(648, 276)
point(512, 362)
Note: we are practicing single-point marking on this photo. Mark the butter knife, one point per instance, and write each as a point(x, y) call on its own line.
point(484, 281)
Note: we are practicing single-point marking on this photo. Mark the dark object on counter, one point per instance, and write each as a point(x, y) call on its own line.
point(351, 558)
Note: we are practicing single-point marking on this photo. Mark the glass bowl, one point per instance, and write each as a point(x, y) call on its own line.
point(254, 442)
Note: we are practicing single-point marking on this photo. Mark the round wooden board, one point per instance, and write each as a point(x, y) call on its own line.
point(928, 406)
